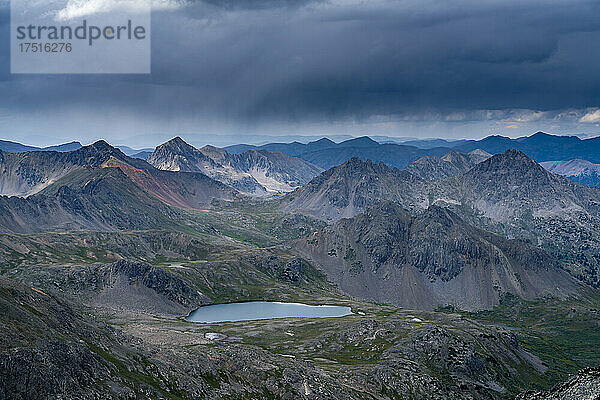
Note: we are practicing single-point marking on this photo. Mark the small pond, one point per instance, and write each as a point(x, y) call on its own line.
point(255, 310)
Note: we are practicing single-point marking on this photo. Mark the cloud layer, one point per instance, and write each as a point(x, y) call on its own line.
point(85, 8)
point(233, 65)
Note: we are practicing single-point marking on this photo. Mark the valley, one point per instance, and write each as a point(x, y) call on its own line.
point(469, 275)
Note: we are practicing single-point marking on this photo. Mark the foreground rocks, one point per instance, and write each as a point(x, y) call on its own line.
point(583, 386)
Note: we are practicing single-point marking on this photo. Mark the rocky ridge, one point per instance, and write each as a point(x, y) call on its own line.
point(255, 172)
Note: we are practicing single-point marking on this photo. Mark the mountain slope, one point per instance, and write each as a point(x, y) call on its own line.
point(513, 196)
point(25, 174)
point(511, 185)
point(349, 189)
point(585, 385)
point(452, 164)
point(253, 172)
point(88, 198)
point(581, 171)
point(181, 189)
point(22, 174)
point(508, 194)
point(433, 259)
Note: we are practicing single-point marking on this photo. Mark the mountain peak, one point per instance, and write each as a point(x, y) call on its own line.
point(540, 134)
point(215, 153)
point(176, 145)
point(101, 147)
point(480, 153)
point(453, 155)
point(101, 144)
point(177, 141)
point(363, 141)
point(319, 144)
point(511, 161)
point(355, 163)
point(517, 155)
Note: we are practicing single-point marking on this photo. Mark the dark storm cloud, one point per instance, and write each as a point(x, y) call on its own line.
point(300, 60)
point(351, 58)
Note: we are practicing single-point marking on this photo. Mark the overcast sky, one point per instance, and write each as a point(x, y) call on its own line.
point(226, 71)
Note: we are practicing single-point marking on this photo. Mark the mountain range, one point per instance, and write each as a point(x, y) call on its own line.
point(14, 147)
point(577, 170)
point(539, 146)
point(469, 274)
point(327, 154)
point(396, 152)
point(256, 172)
point(508, 194)
point(95, 187)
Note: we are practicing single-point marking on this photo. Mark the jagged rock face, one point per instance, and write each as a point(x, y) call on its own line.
point(512, 195)
point(433, 259)
point(581, 171)
point(501, 188)
point(253, 172)
point(512, 184)
point(352, 187)
point(583, 386)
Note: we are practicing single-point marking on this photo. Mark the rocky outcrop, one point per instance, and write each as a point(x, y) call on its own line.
point(124, 285)
point(583, 386)
point(292, 271)
point(432, 259)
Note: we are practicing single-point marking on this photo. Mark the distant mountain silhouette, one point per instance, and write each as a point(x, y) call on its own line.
point(327, 154)
point(539, 147)
point(14, 147)
point(577, 170)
